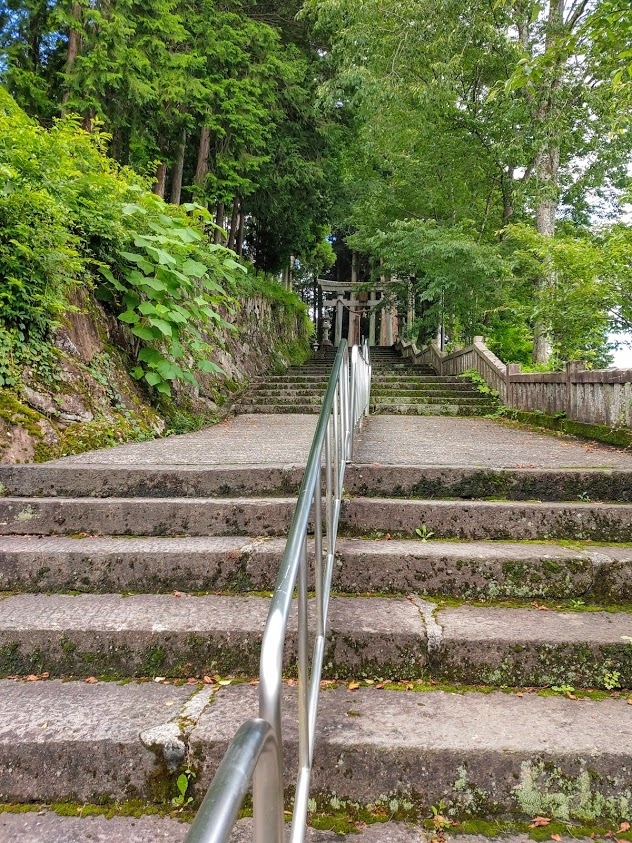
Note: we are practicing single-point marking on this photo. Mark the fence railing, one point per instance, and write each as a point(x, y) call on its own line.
point(602, 396)
point(256, 752)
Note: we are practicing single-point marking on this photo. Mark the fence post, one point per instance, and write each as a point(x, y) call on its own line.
point(511, 369)
point(572, 368)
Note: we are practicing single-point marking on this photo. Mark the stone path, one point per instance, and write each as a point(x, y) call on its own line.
point(152, 562)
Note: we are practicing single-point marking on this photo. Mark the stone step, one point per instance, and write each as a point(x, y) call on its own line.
point(182, 636)
point(474, 570)
point(148, 481)
point(396, 409)
point(270, 409)
point(274, 391)
point(415, 392)
point(477, 753)
point(503, 520)
point(464, 399)
point(310, 399)
point(411, 377)
point(45, 826)
point(59, 479)
point(548, 484)
point(146, 516)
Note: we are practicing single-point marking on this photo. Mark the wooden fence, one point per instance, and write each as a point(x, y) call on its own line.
point(602, 396)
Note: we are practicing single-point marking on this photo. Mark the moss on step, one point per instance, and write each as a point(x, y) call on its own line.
point(618, 436)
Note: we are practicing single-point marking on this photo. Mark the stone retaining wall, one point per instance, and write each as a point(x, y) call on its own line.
point(602, 397)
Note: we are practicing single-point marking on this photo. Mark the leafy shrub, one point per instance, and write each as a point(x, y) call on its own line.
point(69, 215)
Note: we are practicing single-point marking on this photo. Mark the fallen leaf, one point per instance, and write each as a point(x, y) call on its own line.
point(353, 686)
point(254, 682)
point(224, 681)
point(381, 685)
point(629, 700)
point(179, 594)
point(291, 682)
point(91, 680)
point(625, 826)
point(192, 680)
point(32, 678)
point(208, 680)
point(520, 694)
point(570, 696)
point(557, 838)
point(44, 675)
point(159, 678)
point(539, 821)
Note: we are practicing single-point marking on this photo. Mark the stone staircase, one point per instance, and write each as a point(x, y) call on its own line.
point(134, 598)
point(402, 388)
point(399, 388)
point(300, 389)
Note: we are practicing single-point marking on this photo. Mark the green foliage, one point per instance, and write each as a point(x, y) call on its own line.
point(70, 216)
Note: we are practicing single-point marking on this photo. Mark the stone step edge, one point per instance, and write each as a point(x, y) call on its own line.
point(481, 754)
point(479, 570)
point(460, 519)
point(121, 636)
point(367, 479)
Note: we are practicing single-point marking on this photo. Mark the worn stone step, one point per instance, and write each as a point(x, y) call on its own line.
point(281, 400)
point(45, 826)
point(534, 647)
point(550, 484)
point(148, 481)
point(480, 754)
point(405, 481)
point(181, 636)
point(505, 520)
point(272, 409)
point(420, 378)
point(146, 516)
point(465, 400)
point(415, 392)
point(286, 391)
point(397, 409)
point(480, 570)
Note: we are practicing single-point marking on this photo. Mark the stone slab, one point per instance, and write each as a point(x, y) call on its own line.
point(479, 753)
point(46, 827)
point(427, 482)
point(196, 563)
point(535, 647)
point(477, 442)
point(73, 741)
point(184, 636)
point(148, 481)
point(500, 520)
point(470, 570)
point(146, 516)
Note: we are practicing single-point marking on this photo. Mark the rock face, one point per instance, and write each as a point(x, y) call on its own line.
point(86, 398)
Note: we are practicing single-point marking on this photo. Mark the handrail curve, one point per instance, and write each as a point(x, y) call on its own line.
point(256, 751)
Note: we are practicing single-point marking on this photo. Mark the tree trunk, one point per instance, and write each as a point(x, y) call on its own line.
point(161, 180)
point(74, 41)
point(176, 181)
point(234, 220)
point(218, 236)
point(203, 151)
point(547, 165)
point(240, 233)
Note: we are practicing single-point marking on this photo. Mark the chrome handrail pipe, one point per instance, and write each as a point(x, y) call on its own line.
point(345, 405)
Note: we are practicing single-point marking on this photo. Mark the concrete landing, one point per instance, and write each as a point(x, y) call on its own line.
point(441, 441)
point(281, 440)
point(241, 440)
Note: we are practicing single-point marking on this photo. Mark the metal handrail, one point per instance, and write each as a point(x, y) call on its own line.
point(345, 404)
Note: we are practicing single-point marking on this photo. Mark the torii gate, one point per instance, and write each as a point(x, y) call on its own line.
point(353, 295)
